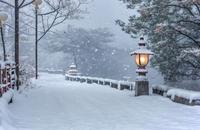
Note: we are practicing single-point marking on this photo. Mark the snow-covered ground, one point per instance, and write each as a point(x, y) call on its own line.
point(57, 104)
point(5, 120)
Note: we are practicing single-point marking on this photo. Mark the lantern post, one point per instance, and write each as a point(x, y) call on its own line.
point(36, 3)
point(142, 55)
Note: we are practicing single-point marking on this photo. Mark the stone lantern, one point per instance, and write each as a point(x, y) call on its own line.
point(73, 70)
point(142, 55)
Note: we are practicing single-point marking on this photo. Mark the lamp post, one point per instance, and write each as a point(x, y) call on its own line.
point(142, 60)
point(3, 18)
point(36, 3)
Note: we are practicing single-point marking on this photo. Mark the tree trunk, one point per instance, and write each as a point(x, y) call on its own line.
point(17, 41)
point(36, 43)
point(3, 43)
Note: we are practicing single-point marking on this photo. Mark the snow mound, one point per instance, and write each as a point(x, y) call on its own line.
point(187, 94)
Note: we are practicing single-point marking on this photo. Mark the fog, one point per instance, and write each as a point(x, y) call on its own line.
point(100, 14)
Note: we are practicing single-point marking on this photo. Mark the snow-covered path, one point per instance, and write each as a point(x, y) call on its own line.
point(56, 104)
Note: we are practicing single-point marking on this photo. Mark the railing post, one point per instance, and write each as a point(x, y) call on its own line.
point(119, 85)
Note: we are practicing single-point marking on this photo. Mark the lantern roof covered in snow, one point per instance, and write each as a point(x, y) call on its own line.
point(142, 48)
point(73, 70)
point(141, 51)
point(72, 66)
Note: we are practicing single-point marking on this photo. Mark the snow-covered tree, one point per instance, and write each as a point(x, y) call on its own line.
point(173, 32)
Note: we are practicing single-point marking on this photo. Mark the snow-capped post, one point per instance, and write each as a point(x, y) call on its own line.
point(3, 18)
point(141, 59)
point(36, 3)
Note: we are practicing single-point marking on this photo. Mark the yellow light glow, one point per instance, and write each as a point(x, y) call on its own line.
point(142, 59)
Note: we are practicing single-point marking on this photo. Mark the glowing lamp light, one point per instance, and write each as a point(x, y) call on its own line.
point(3, 17)
point(142, 59)
point(142, 54)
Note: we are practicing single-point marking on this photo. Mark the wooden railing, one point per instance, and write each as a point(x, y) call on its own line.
point(121, 85)
point(182, 96)
point(7, 76)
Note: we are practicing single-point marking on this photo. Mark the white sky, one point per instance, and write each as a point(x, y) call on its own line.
point(103, 13)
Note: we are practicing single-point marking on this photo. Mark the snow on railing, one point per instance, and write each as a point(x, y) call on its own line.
point(187, 94)
point(121, 85)
point(160, 89)
point(187, 97)
point(177, 95)
point(7, 76)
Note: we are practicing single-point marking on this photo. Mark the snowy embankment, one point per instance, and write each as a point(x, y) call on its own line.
point(56, 104)
point(5, 117)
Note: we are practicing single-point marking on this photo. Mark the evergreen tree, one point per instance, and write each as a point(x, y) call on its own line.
point(173, 32)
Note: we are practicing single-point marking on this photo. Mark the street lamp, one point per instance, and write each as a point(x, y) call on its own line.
point(3, 18)
point(142, 60)
point(36, 3)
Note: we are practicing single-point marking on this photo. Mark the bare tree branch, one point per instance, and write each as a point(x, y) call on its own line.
point(59, 14)
point(54, 9)
point(26, 4)
point(9, 4)
point(22, 3)
point(54, 20)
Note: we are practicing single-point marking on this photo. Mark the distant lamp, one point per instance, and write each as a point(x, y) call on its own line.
point(3, 18)
point(142, 55)
point(37, 3)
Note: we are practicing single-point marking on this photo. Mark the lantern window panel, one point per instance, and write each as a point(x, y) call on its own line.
point(142, 59)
